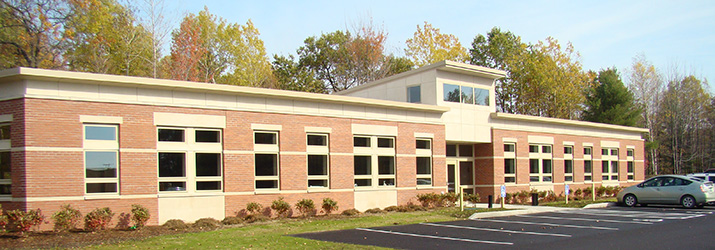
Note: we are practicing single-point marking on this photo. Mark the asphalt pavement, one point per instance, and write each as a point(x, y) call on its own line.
point(608, 227)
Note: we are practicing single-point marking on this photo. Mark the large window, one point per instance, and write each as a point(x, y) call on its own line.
point(189, 160)
point(587, 164)
point(630, 158)
point(267, 163)
point(318, 161)
point(423, 162)
point(568, 163)
point(509, 163)
point(101, 159)
point(374, 161)
point(464, 94)
point(5, 159)
point(609, 164)
point(413, 94)
point(540, 163)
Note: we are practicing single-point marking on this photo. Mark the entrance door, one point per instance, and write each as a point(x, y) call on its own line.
point(460, 173)
point(451, 173)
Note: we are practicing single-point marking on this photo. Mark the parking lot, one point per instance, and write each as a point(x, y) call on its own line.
point(654, 227)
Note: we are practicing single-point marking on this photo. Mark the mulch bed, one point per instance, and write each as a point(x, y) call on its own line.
point(49, 239)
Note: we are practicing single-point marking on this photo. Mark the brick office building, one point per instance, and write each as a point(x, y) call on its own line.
point(190, 150)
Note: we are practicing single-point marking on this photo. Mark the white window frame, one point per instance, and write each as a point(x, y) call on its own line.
point(101, 146)
point(630, 164)
point(273, 149)
point(510, 155)
point(568, 158)
point(375, 152)
point(611, 161)
point(5, 146)
point(190, 148)
point(424, 153)
point(588, 158)
point(318, 150)
point(541, 156)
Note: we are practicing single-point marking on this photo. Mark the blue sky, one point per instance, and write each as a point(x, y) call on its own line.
point(605, 33)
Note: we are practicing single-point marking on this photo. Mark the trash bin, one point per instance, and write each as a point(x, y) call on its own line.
point(534, 199)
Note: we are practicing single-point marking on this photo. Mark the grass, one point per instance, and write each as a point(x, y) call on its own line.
point(576, 204)
point(274, 234)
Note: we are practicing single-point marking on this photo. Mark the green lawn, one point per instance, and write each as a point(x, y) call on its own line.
point(274, 234)
point(576, 204)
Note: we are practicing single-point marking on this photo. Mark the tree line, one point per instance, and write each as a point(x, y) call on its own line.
point(544, 78)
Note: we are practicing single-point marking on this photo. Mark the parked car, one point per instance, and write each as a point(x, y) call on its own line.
point(669, 189)
point(704, 176)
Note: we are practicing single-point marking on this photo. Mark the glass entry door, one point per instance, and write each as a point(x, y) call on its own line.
point(460, 176)
point(450, 175)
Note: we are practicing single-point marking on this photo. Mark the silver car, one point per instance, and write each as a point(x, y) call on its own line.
point(669, 189)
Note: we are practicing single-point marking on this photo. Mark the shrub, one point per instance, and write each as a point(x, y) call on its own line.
point(22, 221)
point(473, 198)
point(67, 218)
point(374, 211)
point(351, 212)
point(140, 215)
point(329, 205)
point(98, 219)
point(175, 224)
point(207, 223)
point(232, 220)
point(251, 218)
point(428, 199)
point(306, 207)
point(448, 199)
point(253, 207)
point(281, 207)
point(392, 209)
point(3, 219)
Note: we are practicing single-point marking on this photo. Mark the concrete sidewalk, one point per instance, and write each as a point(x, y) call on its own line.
point(526, 209)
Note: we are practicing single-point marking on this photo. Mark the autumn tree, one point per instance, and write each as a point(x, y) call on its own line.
point(156, 24)
point(429, 45)
point(345, 59)
point(609, 101)
point(32, 33)
point(291, 76)
point(646, 84)
point(209, 49)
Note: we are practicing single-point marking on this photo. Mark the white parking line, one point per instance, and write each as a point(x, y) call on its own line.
point(548, 224)
point(585, 219)
point(435, 237)
point(496, 230)
point(647, 215)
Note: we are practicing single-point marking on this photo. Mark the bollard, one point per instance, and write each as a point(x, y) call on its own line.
point(491, 200)
point(534, 199)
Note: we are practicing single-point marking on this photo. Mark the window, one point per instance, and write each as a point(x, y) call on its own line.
point(609, 164)
point(587, 164)
point(466, 151)
point(540, 164)
point(465, 94)
point(189, 160)
point(568, 163)
point(423, 162)
point(266, 162)
point(318, 161)
point(413, 94)
point(466, 173)
point(509, 163)
point(451, 93)
point(101, 159)
point(630, 164)
point(451, 150)
point(359, 141)
point(5, 160)
point(374, 166)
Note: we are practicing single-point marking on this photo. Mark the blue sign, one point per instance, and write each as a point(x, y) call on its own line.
point(503, 191)
point(567, 189)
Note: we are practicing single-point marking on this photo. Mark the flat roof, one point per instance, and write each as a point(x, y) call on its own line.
point(82, 77)
point(451, 66)
point(506, 116)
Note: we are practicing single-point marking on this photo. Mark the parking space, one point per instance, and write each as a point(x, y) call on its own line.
point(563, 228)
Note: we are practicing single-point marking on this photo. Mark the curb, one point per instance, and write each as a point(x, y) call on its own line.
point(518, 211)
point(601, 205)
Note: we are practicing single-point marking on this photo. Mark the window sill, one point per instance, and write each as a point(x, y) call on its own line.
point(268, 191)
point(5, 198)
point(425, 187)
point(318, 190)
point(361, 189)
point(101, 196)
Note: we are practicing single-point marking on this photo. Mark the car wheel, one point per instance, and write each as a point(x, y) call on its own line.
point(688, 201)
point(630, 200)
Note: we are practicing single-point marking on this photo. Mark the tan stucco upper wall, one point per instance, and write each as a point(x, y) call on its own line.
point(395, 88)
point(562, 126)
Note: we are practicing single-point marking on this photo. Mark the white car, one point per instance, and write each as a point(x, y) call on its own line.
point(669, 189)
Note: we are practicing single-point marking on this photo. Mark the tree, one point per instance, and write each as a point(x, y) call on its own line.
point(646, 84)
point(290, 76)
point(428, 45)
point(683, 125)
point(609, 101)
point(209, 49)
point(32, 33)
point(500, 50)
point(157, 26)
